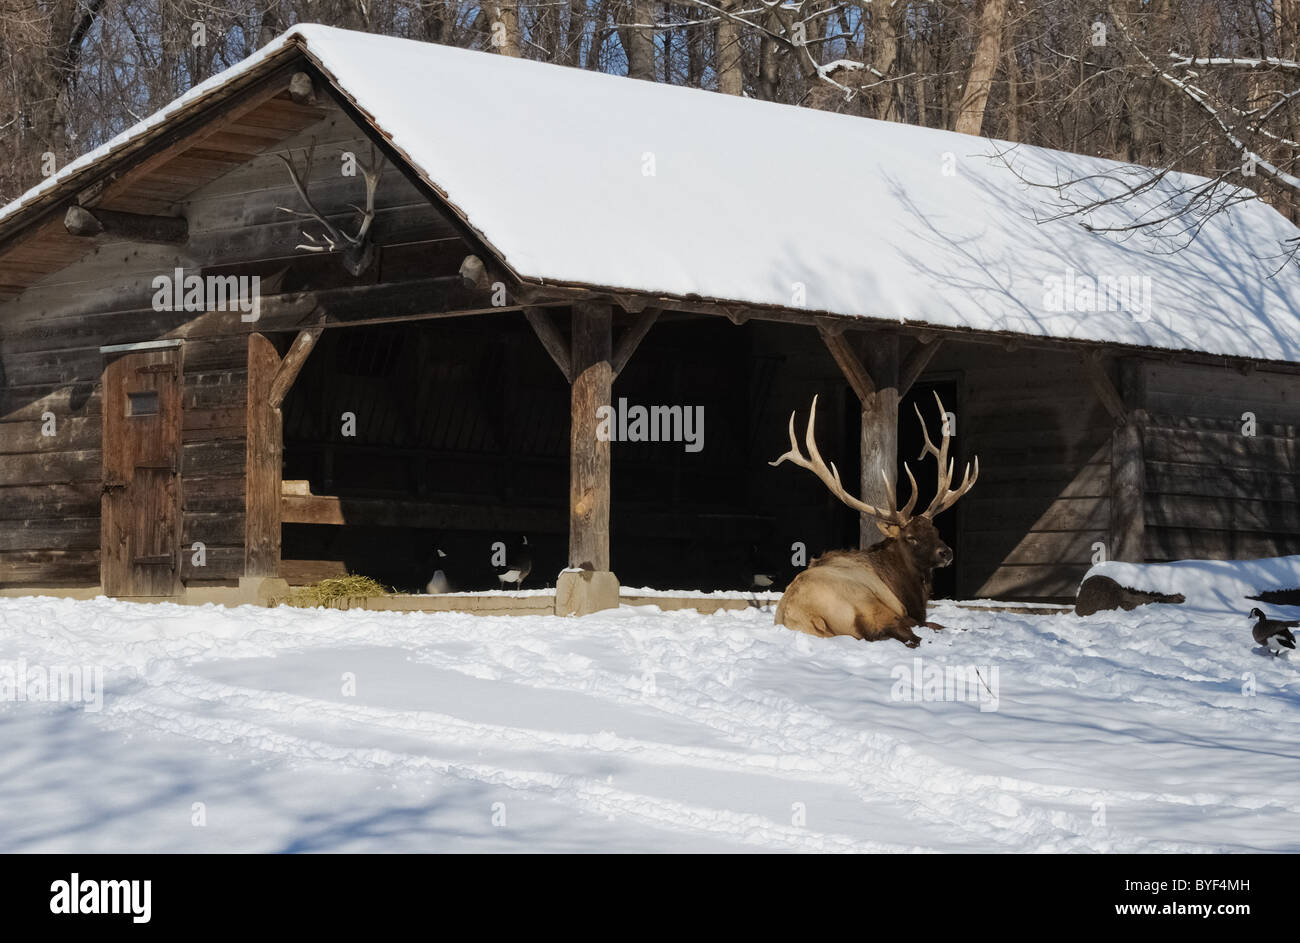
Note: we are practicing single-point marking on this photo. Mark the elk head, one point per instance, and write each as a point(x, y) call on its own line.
point(358, 250)
point(917, 536)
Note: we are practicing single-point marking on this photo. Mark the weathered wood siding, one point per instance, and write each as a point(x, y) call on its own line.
point(1212, 491)
point(50, 361)
point(1028, 527)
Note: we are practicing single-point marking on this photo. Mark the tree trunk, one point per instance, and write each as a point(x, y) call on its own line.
point(970, 114)
point(638, 39)
point(730, 80)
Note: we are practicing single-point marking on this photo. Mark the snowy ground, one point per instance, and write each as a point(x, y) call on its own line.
point(640, 730)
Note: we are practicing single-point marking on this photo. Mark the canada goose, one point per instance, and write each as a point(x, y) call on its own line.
point(761, 576)
point(518, 565)
point(438, 583)
point(1274, 634)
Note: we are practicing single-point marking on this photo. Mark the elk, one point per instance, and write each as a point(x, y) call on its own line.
point(881, 592)
point(358, 250)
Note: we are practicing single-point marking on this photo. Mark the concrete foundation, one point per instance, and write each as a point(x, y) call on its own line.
point(582, 592)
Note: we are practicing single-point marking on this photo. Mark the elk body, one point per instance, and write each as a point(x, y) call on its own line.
point(881, 592)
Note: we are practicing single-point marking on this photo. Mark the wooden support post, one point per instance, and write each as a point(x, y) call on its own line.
point(1128, 471)
point(589, 456)
point(588, 585)
point(879, 430)
point(262, 463)
point(870, 365)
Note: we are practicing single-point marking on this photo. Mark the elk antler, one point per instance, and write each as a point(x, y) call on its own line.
point(944, 496)
point(830, 477)
point(357, 250)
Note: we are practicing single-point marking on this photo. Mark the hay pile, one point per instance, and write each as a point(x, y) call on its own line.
point(336, 592)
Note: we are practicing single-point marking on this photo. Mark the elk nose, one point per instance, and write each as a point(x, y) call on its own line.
point(945, 556)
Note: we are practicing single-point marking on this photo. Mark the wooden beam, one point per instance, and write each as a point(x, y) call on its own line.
point(847, 360)
point(473, 272)
point(589, 453)
point(631, 339)
point(292, 364)
point(302, 89)
point(551, 339)
point(136, 227)
point(263, 456)
point(916, 363)
point(1104, 388)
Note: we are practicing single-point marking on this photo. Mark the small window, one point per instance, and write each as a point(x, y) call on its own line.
point(142, 404)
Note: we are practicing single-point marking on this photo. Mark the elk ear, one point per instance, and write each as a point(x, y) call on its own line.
point(888, 529)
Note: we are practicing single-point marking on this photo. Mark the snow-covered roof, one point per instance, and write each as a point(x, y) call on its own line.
point(577, 177)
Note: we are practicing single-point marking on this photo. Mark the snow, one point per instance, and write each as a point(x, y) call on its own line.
point(697, 187)
point(1206, 584)
point(638, 729)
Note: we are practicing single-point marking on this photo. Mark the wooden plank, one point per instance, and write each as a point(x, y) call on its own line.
point(334, 511)
point(1223, 513)
point(214, 458)
point(1003, 510)
point(1011, 548)
point(1127, 489)
point(1170, 543)
point(53, 468)
point(220, 563)
point(589, 453)
point(51, 501)
point(51, 533)
point(49, 568)
point(264, 451)
point(1182, 479)
point(1051, 583)
point(70, 435)
point(1222, 449)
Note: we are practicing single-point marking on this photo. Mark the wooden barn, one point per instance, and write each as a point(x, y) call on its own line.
point(355, 306)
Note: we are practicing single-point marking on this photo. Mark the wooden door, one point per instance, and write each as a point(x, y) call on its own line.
point(140, 532)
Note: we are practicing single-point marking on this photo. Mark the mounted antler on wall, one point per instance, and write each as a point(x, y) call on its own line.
point(358, 250)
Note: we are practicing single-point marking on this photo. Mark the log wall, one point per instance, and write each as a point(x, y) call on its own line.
point(1213, 490)
point(50, 362)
